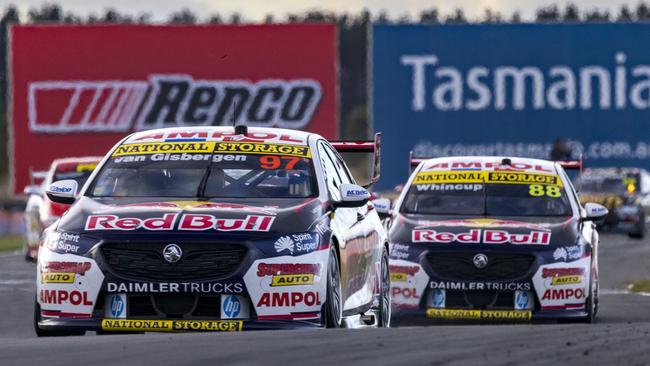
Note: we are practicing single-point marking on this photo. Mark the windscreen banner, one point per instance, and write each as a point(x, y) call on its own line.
point(511, 90)
point(77, 90)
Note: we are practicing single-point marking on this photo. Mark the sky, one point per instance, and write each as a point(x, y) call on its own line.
point(255, 10)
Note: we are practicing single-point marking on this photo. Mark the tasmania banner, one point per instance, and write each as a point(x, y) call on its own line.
point(511, 90)
point(77, 90)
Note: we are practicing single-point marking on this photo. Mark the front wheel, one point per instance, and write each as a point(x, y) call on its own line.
point(384, 301)
point(333, 311)
point(592, 301)
point(50, 333)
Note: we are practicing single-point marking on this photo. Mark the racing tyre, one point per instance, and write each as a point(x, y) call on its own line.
point(333, 311)
point(384, 297)
point(592, 301)
point(50, 333)
point(639, 232)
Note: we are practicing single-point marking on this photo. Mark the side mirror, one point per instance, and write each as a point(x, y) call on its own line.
point(382, 206)
point(63, 191)
point(352, 195)
point(33, 190)
point(594, 212)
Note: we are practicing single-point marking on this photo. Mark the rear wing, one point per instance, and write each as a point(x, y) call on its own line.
point(372, 146)
point(36, 176)
point(573, 165)
point(414, 161)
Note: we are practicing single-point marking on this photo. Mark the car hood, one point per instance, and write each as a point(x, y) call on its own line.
point(508, 231)
point(164, 216)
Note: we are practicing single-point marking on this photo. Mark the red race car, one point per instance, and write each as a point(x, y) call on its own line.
point(40, 212)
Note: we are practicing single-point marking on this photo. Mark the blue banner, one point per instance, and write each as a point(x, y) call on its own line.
point(511, 90)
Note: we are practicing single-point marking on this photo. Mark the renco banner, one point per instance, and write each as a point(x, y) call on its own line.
point(511, 90)
point(76, 90)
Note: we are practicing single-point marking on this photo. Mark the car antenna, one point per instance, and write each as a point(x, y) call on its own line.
point(239, 129)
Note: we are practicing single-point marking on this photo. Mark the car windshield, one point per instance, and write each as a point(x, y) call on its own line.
point(618, 185)
point(207, 170)
point(485, 193)
point(77, 172)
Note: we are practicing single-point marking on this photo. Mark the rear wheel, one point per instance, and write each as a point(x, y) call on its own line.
point(50, 333)
point(333, 306)
point(639, 230)
point(384, 301)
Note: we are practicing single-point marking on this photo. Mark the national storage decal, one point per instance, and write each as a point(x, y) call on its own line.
point(102, 82)
point(510, 90)
point(130, 325)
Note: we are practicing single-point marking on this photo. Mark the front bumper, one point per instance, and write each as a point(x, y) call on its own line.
point(425, 288)
point(212, 325)
point(269, 292)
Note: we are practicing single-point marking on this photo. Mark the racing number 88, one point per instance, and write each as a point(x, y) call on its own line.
point(538, 190)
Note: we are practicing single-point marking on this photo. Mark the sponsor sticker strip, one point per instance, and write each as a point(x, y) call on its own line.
point(263, 149)
point(510, 177)
point(172, 325)
point(164, 147)
point(457, 314)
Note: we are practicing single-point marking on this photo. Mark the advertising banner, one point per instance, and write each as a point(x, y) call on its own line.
point(511, 90)
point(77, 90)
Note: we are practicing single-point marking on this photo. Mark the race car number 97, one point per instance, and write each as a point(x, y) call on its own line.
point(276, 162)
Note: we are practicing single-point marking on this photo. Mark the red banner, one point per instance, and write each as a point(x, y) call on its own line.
point(77, 90)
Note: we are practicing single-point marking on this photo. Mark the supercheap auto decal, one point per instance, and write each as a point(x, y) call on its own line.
point(68, 285)
point(277, 286)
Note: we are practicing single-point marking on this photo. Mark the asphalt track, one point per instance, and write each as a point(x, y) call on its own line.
point(621, 336)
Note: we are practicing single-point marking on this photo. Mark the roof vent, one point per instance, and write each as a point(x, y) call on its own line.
point(506, 161)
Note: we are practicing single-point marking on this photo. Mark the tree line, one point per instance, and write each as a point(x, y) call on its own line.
point(352, 41)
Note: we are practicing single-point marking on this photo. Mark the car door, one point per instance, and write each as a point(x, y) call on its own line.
point(356, 234)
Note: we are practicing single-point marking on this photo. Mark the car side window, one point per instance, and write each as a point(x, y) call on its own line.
point(570, 188)
point(332, 177)
point(341, 168)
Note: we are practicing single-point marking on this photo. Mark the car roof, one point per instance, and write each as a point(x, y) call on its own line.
point(489, 163)
point(222, 133)
point(77, 160)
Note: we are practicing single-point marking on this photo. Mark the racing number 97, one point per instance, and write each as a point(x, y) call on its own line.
point(275, 162)
point(538, 190)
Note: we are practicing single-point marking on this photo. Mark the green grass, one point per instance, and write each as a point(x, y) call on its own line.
point(640, 286)
point(11, 242)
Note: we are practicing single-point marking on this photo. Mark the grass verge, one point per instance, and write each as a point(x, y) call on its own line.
point(11, 242)
point(640, 286)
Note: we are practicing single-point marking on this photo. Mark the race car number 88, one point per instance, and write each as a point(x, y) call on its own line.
point(538, 190)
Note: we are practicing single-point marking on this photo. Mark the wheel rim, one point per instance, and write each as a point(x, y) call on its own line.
point(335, 290)
point(385, 293)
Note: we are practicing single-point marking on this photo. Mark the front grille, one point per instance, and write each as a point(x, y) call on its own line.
point(460, 266)
point(200, 261)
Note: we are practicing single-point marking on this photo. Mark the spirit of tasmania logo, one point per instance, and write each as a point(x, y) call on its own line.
point(169, 101)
